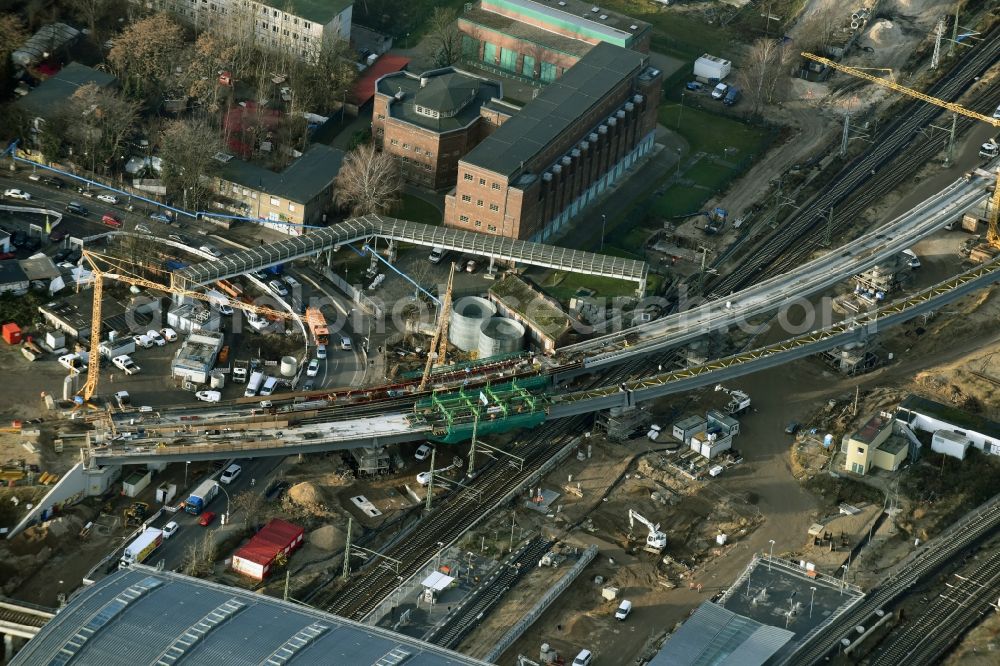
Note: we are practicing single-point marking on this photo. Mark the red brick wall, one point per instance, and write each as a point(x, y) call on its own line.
point(562, 61)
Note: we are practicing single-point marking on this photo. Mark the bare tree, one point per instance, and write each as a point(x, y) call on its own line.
point(250, 505)
point(145, 53)
point(368, 182)
point(319, 86)
point(98, 122)
point(188, 147)
point(91, 11)
point(211, 55)
point(12, 35)
point(199, 559)
point(817, 31)
point(444, 39)
point(763, 76)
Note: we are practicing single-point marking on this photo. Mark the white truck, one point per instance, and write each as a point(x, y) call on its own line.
point(253, 384)
point(139, 550)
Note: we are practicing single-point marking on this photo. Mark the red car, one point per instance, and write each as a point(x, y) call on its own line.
point(206, 518)
point(111, 220)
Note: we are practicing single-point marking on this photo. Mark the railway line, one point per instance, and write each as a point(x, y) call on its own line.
point(925, 639)
point(12, 616)
point(866, 177)
point(929, 559)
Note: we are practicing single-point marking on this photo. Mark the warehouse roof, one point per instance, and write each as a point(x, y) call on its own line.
point(144, 616)
point(557, 107)
point(715, 635)
point(301, 181)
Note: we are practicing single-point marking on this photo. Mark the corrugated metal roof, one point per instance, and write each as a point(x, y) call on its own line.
point(149, 625)
point(274, 538)
point(719, 637)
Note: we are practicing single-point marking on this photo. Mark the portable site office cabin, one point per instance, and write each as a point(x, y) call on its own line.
point(277, 539)
point(711, 68)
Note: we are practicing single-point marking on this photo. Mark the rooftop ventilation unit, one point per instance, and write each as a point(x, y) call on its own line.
point(633, 27)
point(603, 17)
point(595, 9)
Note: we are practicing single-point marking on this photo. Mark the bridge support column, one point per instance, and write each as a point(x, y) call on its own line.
point(391, 253)
point(9, 647)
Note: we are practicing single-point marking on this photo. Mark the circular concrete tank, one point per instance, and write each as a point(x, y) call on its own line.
point(289, 366)
point(500, 336)
point(217, 380)
point(467, 318)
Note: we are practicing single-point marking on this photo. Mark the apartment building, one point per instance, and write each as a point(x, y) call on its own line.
point(289, 201)
point(541, 39)
point(429, 121)
point(543, 166)
point(300, 27)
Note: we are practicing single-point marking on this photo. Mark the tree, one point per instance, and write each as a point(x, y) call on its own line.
point(188, 148)
point(763, 76)
point(319, 86)
point(211, 55)
point(12, 35)
point(199, 559)
point(98, 120)
point(443, 36)
point(818, 31)
point(91, 11)
point(250, 505)
point(368, 181)
point(145, 53)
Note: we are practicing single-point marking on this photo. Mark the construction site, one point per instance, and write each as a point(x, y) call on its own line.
point(768, 434)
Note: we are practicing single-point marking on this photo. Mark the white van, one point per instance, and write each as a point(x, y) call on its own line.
point(584, 658)
point(269, 386)
point(436, 255)
point(256, 379)
point(911, 259)
point(623, 610)
point(345, 343)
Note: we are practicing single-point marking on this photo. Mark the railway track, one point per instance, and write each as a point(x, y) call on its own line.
point(461, 510)
point(926, 639)
point(868, 176)
point(468, 617)
point(18, 617)
point(961, 535)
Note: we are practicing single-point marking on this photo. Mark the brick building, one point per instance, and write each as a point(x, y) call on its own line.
point(562, 150)
point(541, 39)
point(429, 121)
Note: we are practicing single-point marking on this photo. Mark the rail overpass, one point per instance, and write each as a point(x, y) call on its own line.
point(389, 228)
point(20, 622)
point(821, 273)
point(397, 427)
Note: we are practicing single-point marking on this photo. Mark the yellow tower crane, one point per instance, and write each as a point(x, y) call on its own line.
point(993, 215)
point(115, 268)
point(439, 345)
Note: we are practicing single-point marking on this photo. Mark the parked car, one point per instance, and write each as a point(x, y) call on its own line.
point(321, 351)
point(123, 400)
point(61, 256)
point(423, 452)
point(423, 478)
point(52, 181)
point(996, 114)
point(143, 229)
point(210, 250)
point(206, 518)
point(225, 309)
point(177, 238)
point(290, 281)
point(57, 235)
point(159, 217)
point(436, 255)
point(309, 385)
point(170, 529)
point(720, 91)
point(14, 193)
point(77, 209)
point(345, 343)
point(313, 368)
point(107, 198)
point(230, 474)
point(169, 334)
point(111, 220)
point(260, 275)
point(143, 341)
point(155, 336)
point(278, 288)
point(694, 85)
point(208, 396)
point(733, 95)
point(125, 362)
point(471, 265)
point(36, 177)
point(623, 610)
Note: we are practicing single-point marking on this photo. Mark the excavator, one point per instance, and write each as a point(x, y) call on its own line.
point(656, 540)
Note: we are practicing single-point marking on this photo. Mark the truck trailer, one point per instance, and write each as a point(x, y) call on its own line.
point(202, 495)
point(139, 550)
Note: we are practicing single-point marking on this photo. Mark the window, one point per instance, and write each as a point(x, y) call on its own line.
point(468, 176)
point(275, 201)
point(275, 13)
point(463, 218)
point(861, 449)
point(381, 116)
point(495, 208)
point(496, 186)
point(406, 146)
point(305, 24)
point(482, 181)
point(479, 202)
point(305, 38)
point(285, 33)
point(466, 198)
point(492, 228)
point(253, 195)
point(291, 206)
point(295, 21)
point(479, 223)
point(394, 142)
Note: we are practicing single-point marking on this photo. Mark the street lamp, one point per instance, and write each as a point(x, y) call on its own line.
point(186, 463)
point(225, 517)
point(771, 556)
point(680, 114)
point(604, 219)
point(678, 174)
point(811, 601)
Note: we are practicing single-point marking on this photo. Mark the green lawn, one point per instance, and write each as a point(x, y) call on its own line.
point(416, 209)
point(571, 283)
point(680, 200)
point(712, 133)
point(676, 33)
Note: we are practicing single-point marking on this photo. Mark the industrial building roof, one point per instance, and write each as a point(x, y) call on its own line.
point(719, 637)
point(953, 415)
point(588, 19)
point(525, 31)
point(301, 181)
point(11, 272)
point(51, 94)
point(558, 106)
point(536, 310)
point(318, 11)
point(144, 616)
point(272, 539)
point(455, 95)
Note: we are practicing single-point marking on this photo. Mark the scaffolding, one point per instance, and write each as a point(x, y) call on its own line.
point(457, 416)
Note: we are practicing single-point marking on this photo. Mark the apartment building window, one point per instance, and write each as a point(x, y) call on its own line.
point(468, 176)
point(479, 202)
point(394, 142)
point(295, 35)
point(295, 21)
point(492, 228)
point(479, 223)
point(464, 218)
point(381, 116)
point(285, 33)
point(495, 208)
point(291, 206)
point(306, 25)
point(482, 181)
point(406, 146)
point(275, 201)
point(496, 186)
point(305, 38)
point(275, 13)
point(466, 198)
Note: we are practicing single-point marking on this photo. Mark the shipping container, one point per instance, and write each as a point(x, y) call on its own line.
point(712, 68)
point(273, 544)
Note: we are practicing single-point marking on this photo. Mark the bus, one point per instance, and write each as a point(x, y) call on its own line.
point(317, 324)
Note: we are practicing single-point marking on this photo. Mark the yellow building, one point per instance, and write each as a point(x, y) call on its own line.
point(874, 445)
